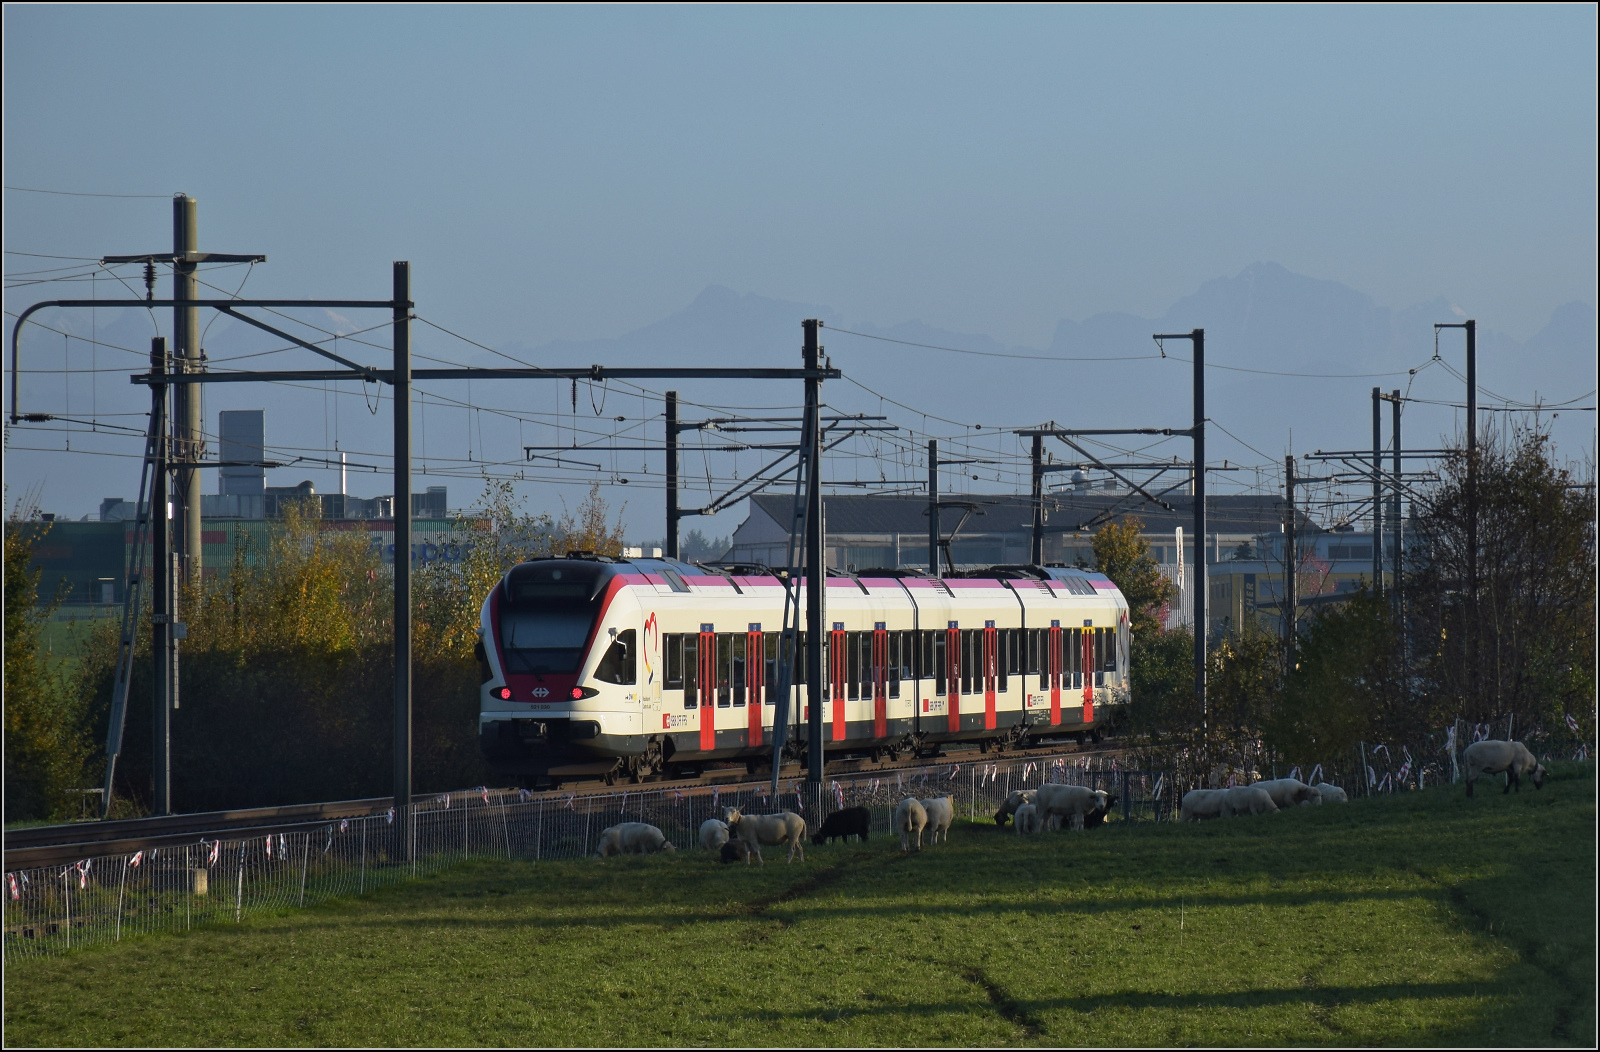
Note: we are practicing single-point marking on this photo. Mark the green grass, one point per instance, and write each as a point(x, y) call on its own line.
point(1422, 919)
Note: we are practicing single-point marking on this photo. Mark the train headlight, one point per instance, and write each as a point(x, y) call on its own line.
point(503, 693)
point(579, 693)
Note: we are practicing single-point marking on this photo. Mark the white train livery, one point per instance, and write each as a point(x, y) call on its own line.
point(602, 667)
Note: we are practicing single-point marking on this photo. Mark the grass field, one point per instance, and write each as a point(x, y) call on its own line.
point(1424, 918)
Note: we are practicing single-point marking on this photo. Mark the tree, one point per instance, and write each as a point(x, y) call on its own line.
point(46, 743)
point(1122, 554)
point(1344, 686)
point(1522, 641)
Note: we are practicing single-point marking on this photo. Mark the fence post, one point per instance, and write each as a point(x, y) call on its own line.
point(305, 860)
point(361, 888)
point(238, 897)
point(66, 891)
point(188, 889)
point(1126, 806)
point(121, 887)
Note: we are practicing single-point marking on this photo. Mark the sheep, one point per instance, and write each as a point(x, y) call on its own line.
point(941, 812)
point(632, 838)
point(1331, 794)
point(851, 821)
point(910, 818)
point(1247, 800)
point(713, 834)
point(1027, 819)
point(1493, 757)
point(735, 851)
point(1200, 804)
point(1068, 802)
point(786, 827)
point(1290, 792)
point(1015, 799)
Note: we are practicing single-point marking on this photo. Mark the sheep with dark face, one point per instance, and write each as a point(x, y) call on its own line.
point(735, 851)
point(1495, 757)
point(849, 822)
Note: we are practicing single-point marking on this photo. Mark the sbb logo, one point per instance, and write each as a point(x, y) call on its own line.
point(541, 692)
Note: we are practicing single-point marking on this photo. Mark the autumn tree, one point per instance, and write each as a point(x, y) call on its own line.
point(1122, 554)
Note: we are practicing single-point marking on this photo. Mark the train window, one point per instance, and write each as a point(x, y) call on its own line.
point(724, 668)
point(896, 669)
point(966, 660)
point(940, 664)
point(800, 657)
point(672, 657)
point(617, 666)
point(769, 646)
point(544, 640)
point(740, 674)
point(928, 666)
point(691, 670)
point(1108, 649)
point(852, 649)
point(1002, 659)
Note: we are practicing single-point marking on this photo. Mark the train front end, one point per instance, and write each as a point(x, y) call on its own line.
point(558, 648)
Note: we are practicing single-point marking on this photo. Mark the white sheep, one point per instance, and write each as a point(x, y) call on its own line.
point(941, 812)
point(1331, 794)
point(713, 834)
point(1199, 804)
point(1027, 819)
point(1495, 757)
point(1290, 792)
point(1247, 800)
point(632, 838)
point(1015, 799)
point(785, 827)
point(910, 818)
point(1067, 803)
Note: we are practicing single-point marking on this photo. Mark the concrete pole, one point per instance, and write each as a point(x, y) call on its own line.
point(1291, 565)
point(187, 425)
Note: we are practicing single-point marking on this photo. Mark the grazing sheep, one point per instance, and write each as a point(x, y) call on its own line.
point(735, 851)
point(851, 821)
point(1027, 819)
point(632, 838)
point(1068, 803)
point(1493, 757)
point(1290, 792)
point(1015, 799)
point(1331, 794)
point(1200, 804)
point(941, 812)
point(1247, 800)
point(786, 827)
point(713, 834)
point(910, 818)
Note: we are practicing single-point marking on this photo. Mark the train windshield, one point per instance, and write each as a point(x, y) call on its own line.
point(544, 640)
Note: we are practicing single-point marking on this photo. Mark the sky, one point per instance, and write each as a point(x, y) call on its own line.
point(574, 173)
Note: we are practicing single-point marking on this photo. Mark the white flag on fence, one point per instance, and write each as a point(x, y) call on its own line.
point(523, 795)
point(838, 794)
point(11, 879)
point(390, 816)
point(1572, 724)
point(1316, 775)
point(954, 770)
point(269, 845)
point(216, 847)
point(83, 872)
point(344, 823)
point(484, 790)
point(570, 804)
point(138, 857)
point(446, 799)
point(1372, 776)
point(1295, 773)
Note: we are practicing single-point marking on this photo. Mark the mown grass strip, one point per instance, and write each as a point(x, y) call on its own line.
point(1423, 918)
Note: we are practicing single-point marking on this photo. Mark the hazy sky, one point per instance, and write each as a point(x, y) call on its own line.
point(577, 172)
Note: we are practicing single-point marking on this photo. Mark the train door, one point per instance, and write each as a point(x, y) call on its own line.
point(991, 670)
point(839, 678)
point(952, 657)
point(1052, 657)
point(754, 671)
point(880, 680)
point(706, 674)
point(1088, 671)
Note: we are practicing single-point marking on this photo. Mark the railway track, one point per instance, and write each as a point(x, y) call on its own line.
point(64, 844)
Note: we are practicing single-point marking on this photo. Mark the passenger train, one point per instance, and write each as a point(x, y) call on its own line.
point(627, 667)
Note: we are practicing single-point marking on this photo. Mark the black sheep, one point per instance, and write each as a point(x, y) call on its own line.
point(1098, 816)
point(734, 851)
point(852, 821)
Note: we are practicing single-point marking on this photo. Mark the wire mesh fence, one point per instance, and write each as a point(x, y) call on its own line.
point(108, 897)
